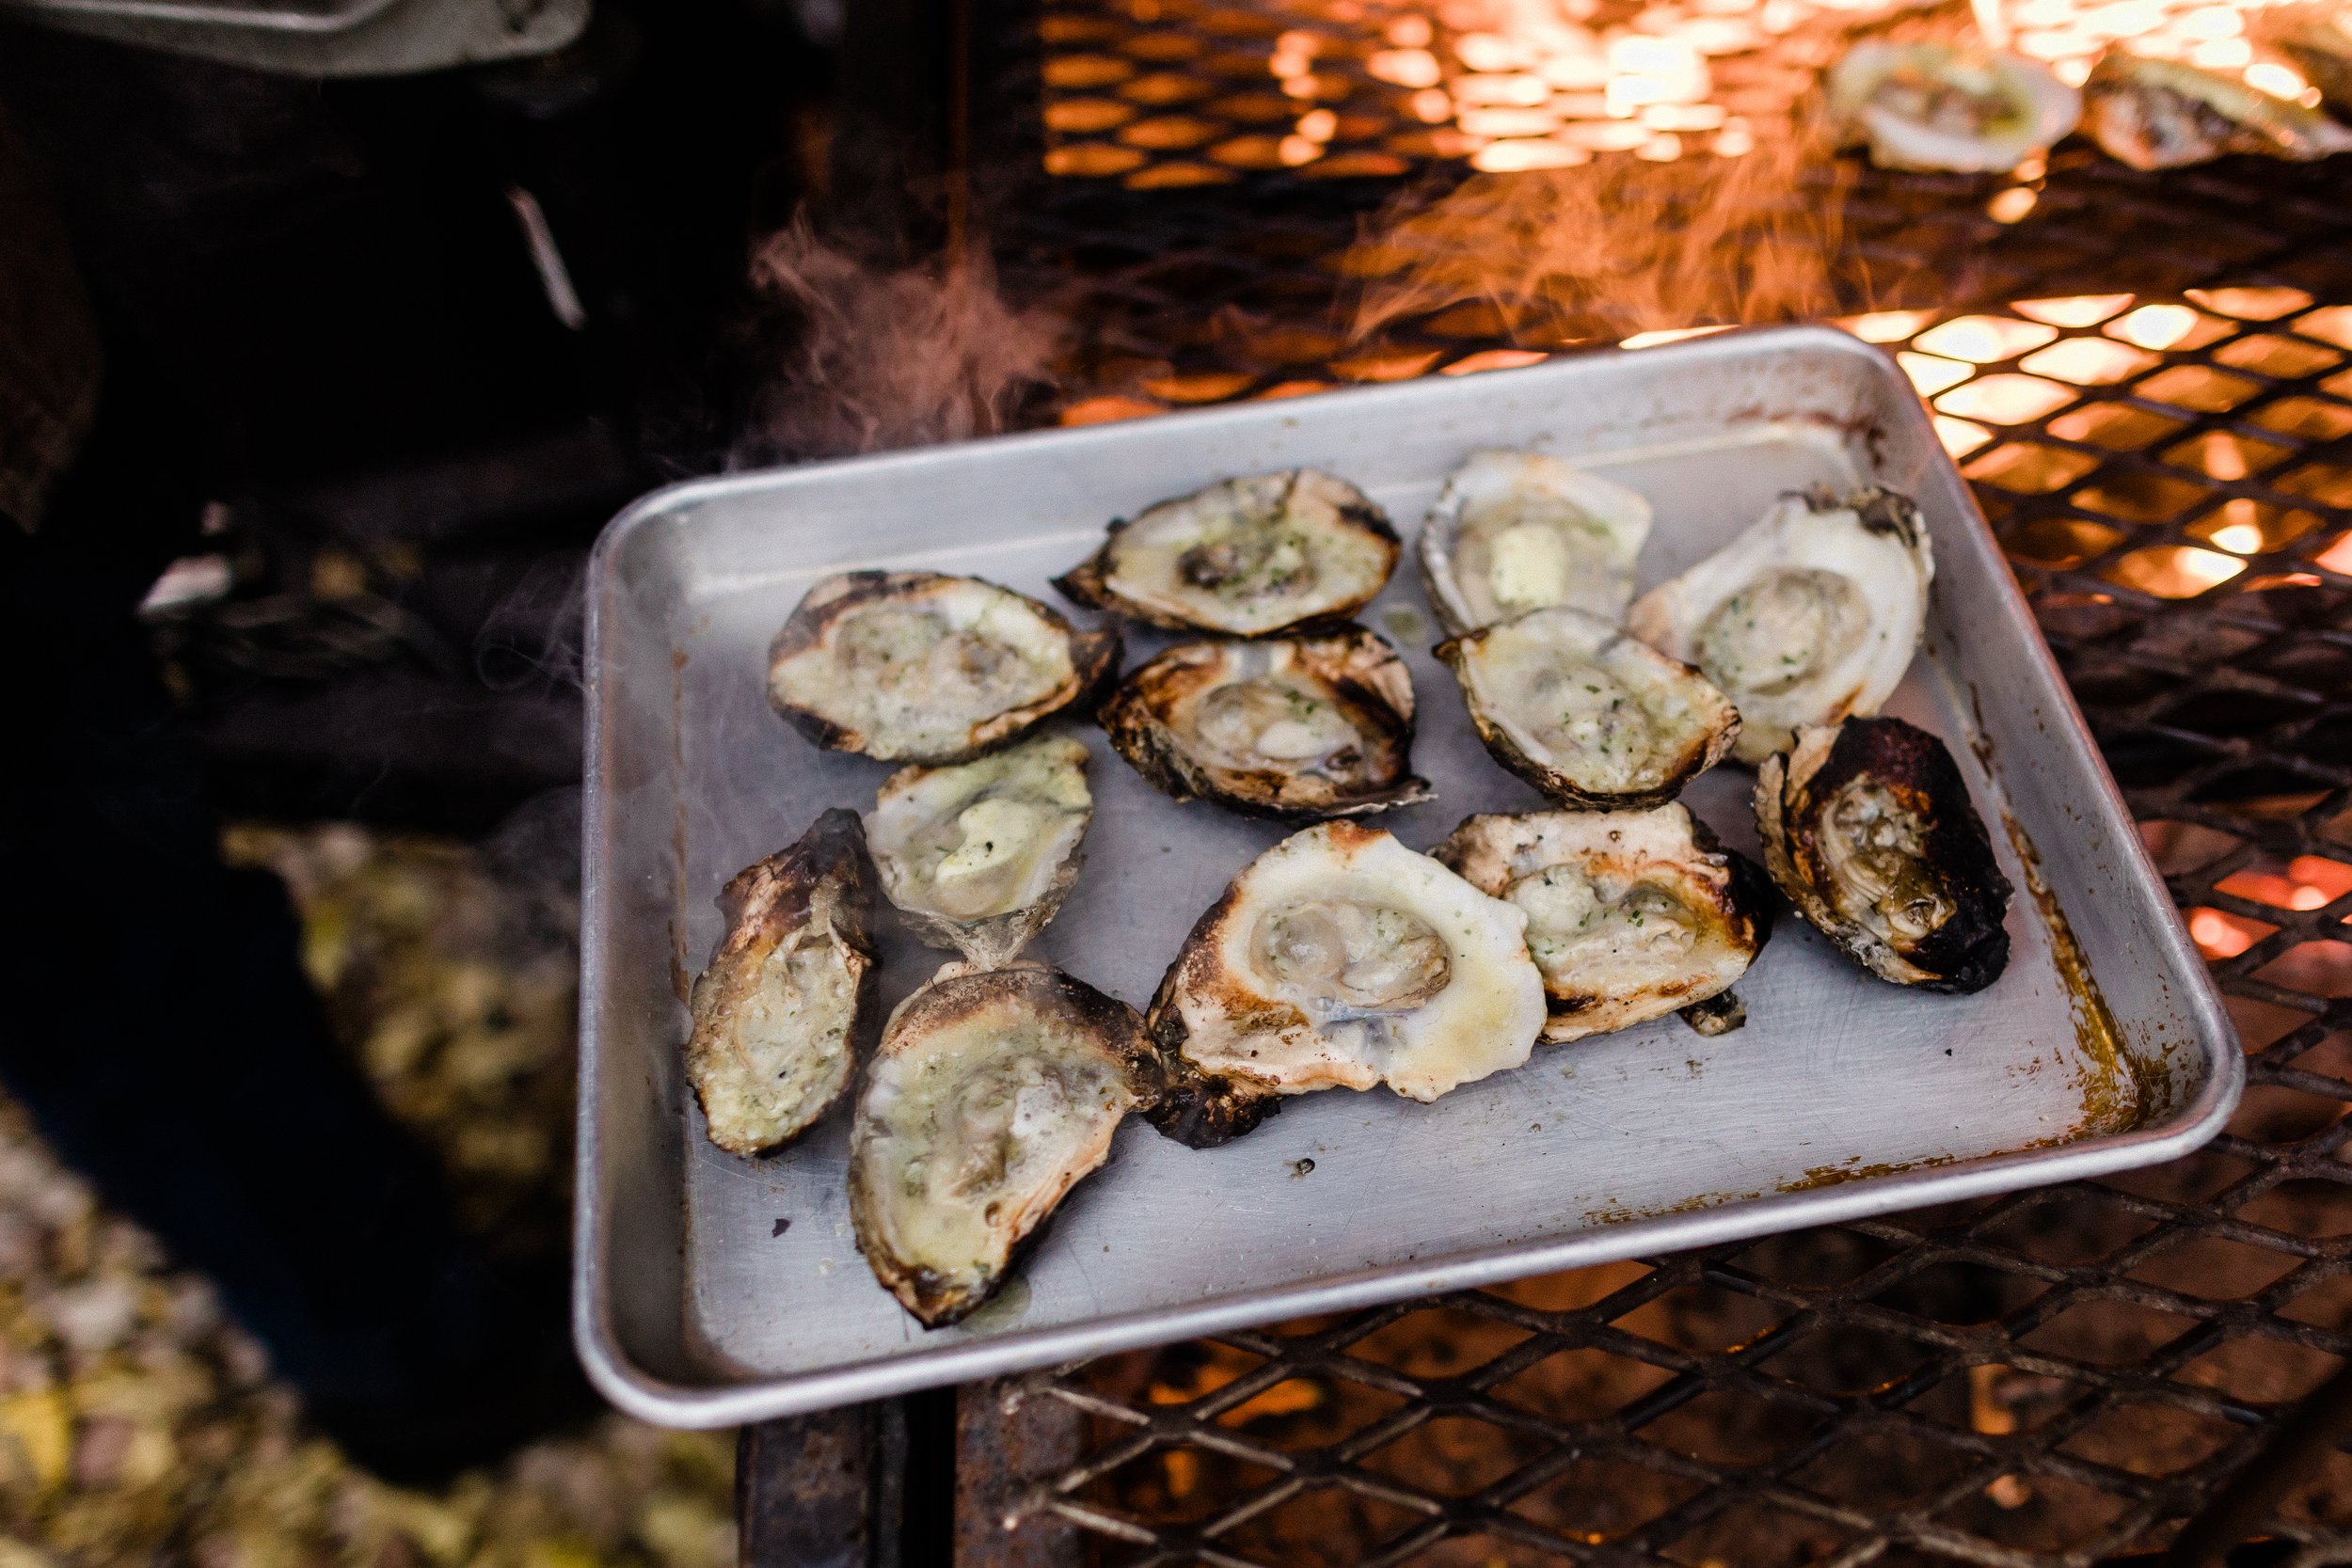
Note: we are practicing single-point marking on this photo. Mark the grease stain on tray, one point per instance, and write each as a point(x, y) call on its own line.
point(2114, 1092)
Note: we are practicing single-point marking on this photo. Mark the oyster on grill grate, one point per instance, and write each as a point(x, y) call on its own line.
point(1868, 828)
point(978, 856)
point(1518, 530)
point(1630, 914)
point(1810, 614)
point(1296, 728)
point(779, 1012)
point(1587, 714)
point(994, 1093)
point(1247, 557)
point(2168, 113)
point(1340, 959)
point(920, 667)
point(1934, 106)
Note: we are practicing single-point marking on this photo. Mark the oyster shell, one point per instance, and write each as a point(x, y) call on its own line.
point(1296, 728)
point(1587, 714)
point(780, 1012)
point(2168, 113)
point(1340, 959)
point(1520, 531)
point(919, 667)
point(979, 855)
point(1630, 914)
point(1249, 557)
point(1811, 614)
point(1867, 827)
point(1934, 106)
point(992, 1094)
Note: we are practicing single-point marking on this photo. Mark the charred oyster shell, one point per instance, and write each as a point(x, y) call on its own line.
point(1810, 614)
point(1520, 531)
point(1247, 557)
point(1339, 959)
point(978, 856)
point(1295, 728)
point(1932, 106)
point(780, 1012)
point(1630, 914)
point(2168, 113)
point(1869, 828)
point(994, 1093)
point(1587, 714)
point(2317, 38)
point(920, 667)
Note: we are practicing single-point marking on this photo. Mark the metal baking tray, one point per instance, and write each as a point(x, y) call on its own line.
point(711, 1290)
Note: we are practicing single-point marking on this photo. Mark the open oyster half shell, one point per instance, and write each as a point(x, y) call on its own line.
point(1587, 714)
point(1247, 557)
point(1339, 959)
point(780, 1012)
point(1869, 828)
point(921, 667)
point(1630, 914)
point(978, 856)
point(1298, 728)
point(1812, 613)
point(1935, 106)
point(2169, 114)
point(994, 1093)
point(1520, 531)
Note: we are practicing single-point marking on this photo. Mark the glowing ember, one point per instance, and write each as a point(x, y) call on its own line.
point(2156, 326)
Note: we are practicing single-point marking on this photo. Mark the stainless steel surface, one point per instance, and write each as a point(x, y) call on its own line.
point(289, 16)
point(1843, 1097)
point(333, 39)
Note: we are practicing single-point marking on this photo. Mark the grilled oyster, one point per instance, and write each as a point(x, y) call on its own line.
point(918, 667)
point(1295, 728)
point(778, 1014)
point(1809, 615)
point(1932, 106)
point(1250, 557)
point(1587, 714)
point(992, 1094)
point(979, 855)
point(1867, 827)
point(2166, 113)
point(1630, 914)
point(1518, 530)
point(1340, 959)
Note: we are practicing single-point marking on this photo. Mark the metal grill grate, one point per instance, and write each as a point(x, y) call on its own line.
point(2054, 1377)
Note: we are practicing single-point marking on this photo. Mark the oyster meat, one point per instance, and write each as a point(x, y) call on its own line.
point(1340, 959)
point(1520, 531)
point(1587, 714)
point(919, 667)
point(1249, 557)
point(1934, 106)
point(1630, 914)
point(1296, 728)
point(2168, 113)
point(978, 856)
point(1868, 828)
point(779, 1013)
point(992, 1094)
point(1810, 614)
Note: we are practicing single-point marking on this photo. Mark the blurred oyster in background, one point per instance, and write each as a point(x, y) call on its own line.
point(1937, 106)
point(2165, 114)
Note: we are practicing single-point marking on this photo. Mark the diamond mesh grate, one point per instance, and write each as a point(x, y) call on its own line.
point(2045, 1378)
point(2149, 381)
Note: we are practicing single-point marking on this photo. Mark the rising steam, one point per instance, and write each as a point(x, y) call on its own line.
point(1620, 245)
point(874, 357)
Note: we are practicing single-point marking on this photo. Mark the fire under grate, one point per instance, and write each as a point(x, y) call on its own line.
point(2148, 380)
